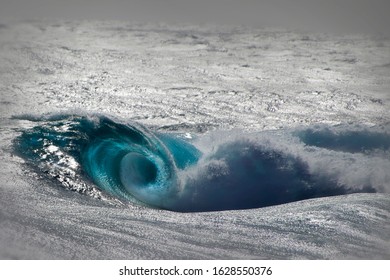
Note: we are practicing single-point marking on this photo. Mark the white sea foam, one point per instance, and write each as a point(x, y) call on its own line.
point(194, 80)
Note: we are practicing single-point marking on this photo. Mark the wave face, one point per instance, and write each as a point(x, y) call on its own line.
point(217, 171)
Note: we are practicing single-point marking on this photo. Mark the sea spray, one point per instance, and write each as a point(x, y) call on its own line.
point(218, 171)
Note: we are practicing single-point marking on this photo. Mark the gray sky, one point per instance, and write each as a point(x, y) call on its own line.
point(348, 15)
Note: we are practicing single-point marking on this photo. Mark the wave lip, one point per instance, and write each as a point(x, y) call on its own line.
point(129, 162)
point(236, 171)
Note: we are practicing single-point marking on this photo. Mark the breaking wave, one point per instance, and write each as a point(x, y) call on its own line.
point(211, 172)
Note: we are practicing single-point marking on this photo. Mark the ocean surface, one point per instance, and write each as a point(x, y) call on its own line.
point(124, 140)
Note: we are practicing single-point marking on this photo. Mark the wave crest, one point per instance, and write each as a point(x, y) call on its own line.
point(218, 171)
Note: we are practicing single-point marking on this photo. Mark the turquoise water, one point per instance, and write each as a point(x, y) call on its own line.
point(163, 170)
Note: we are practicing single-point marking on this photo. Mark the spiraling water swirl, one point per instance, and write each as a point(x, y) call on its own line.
point(226, 171)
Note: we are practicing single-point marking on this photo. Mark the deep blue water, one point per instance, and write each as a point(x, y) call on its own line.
point(133, 163)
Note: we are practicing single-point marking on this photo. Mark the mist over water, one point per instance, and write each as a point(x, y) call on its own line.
point(219, 171)
point(194, 119)
point(331, 15)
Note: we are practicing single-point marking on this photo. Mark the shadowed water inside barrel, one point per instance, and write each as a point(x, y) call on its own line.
point(245, 170)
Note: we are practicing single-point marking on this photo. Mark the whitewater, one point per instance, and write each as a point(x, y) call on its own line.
point(125, 140)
